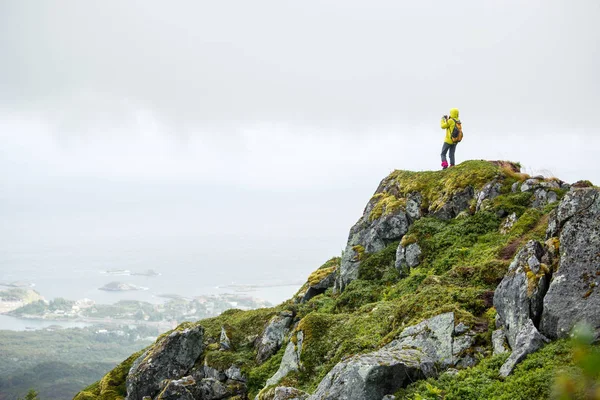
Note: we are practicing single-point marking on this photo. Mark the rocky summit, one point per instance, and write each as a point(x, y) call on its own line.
point(466, 283)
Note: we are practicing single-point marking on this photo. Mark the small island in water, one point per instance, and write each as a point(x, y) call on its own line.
point(121, 287)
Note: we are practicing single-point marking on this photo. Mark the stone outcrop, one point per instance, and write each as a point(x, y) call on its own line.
point(519, 303)
point(438, 337)
point(528, 340)
point(574, 295)
point(433, 337)
point(290, 361)
point(369, 236)
point(272, 337)
point(407, 257)
point(374, 375)
point(172, 357)
point(520, 295)
point(489, 192)
point(225, 340)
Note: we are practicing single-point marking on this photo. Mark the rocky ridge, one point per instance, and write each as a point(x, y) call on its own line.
point(444, 269)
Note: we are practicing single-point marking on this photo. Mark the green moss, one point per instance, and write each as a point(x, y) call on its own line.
point(257, 376)
point(320, 274)
point(374, 266)
point(526, 222)
point(112, 385)
point(386, 204)
point(408, 239)
point(532, 379)
point(437, 187)
point(222, 360)
point(360, 252)
point(512, 202)
point(358, 293)
point(242, 324)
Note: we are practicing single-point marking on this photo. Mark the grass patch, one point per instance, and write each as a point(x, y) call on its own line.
point(532, 379)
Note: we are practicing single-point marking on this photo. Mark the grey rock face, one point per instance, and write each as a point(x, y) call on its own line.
point(172, 357)
point(407, 258)
point(433, 337)
point(213, 373)
point(530, 184)
point(459, 202)
point(499, 342)
point(224, 340)
point(489, 192)
point(372, 236)
point(178, 390)
point(413, 206)
point(272, 336)
point(440, 340)
point(374, 375)
point(460, 329)
point(543, 197)
point(413, 255)
point(528, 340)
point(290, 361)
point(235, 374)
point(520, 295)
point(212, 389)
point(574, 295)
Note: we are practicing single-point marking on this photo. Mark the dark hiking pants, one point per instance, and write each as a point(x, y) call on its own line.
point(445, 148)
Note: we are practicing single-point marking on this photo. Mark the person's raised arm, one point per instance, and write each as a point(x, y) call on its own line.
point(444, 123)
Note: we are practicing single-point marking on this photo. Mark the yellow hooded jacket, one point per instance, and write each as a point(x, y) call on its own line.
point(448, 125)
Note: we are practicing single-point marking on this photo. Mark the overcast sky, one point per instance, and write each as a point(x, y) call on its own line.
point(322, 98)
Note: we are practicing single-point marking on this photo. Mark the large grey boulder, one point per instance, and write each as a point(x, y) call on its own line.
point(171, 357)
point(488, 192)
point(520, 295)
point(271, 338)
point(374, 375)
point(542, 197)
point(290, 361)
point(407, 257)
point(574, 295)
point(528, 340)
point(438, 338)
point(413, 206)
point(433, 337)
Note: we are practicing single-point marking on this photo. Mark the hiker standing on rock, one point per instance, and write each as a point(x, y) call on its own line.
point(454, 134)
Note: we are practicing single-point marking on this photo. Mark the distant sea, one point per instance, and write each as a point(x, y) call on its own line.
point(201, 240)
point(79, 271)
